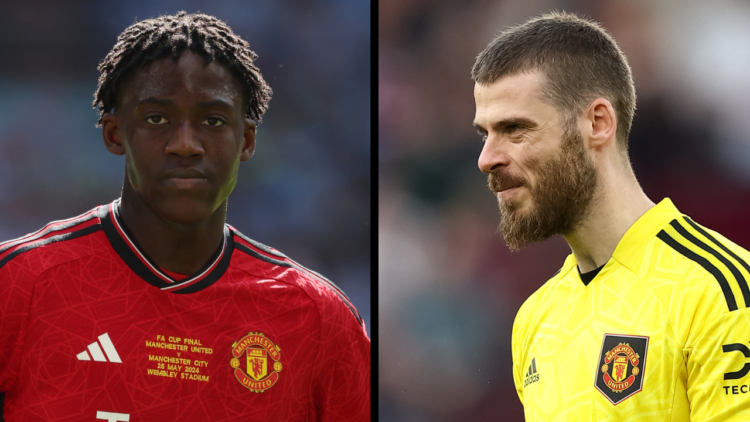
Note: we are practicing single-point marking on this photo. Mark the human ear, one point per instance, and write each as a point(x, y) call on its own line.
point(248, 143)
point(603, 120)
point(112, 134)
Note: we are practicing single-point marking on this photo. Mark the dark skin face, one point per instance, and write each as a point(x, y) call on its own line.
point(182, 128)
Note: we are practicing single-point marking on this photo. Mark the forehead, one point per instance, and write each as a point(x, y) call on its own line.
point(190, 75)
point(518, 95)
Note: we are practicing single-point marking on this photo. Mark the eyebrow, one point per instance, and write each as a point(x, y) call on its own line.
point(215, 103)
point(513, 120)
point(155, 100)
point(203, 104)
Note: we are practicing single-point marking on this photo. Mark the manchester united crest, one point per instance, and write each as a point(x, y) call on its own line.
point(259, 369)
point(622, 360)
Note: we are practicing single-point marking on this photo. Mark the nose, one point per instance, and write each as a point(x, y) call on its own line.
point(492, 156)
point(184, 142)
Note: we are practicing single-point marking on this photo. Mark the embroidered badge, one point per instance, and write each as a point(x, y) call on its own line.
point(253, 371)
point(620, 371)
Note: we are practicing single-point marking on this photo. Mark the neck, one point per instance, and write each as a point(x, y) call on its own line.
point(618, 203)
point(175, 247)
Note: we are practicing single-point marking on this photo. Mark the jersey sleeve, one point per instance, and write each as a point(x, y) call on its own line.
point(515, 349)
point(718, 366)
point(518, 346)
point(342, 391)
point(16, 290)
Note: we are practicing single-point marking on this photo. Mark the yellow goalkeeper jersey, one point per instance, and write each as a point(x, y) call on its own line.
point(661, 333)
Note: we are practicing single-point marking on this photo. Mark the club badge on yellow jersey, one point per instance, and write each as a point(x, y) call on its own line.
point(622, 361)
point(258, 349)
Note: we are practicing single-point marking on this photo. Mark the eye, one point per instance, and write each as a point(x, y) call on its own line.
point(157, 120)
point(213, 121)
point(512, 128)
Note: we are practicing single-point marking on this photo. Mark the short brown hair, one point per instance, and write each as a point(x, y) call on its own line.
point(578, 58)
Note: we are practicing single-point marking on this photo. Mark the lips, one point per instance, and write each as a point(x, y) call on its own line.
point(184, 173)
point(503, 189)
point(500, 182)
point(185, 178)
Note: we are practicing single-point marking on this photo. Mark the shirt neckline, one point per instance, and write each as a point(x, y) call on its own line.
point(587, 277)
point(133, 256)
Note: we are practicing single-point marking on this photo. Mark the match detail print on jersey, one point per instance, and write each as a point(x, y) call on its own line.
point(178, 358)
point(622, 363)
point(257, 349)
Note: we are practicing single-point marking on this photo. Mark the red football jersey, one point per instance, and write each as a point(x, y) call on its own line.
point(91, 329)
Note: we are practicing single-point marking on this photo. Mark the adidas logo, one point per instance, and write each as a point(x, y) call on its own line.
point(96, 351)
point(531, 375)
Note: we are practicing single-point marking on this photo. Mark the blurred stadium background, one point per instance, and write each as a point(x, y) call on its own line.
point(448, 287)
point(307, 190)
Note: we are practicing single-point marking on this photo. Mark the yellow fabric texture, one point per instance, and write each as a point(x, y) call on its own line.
point(681, 287)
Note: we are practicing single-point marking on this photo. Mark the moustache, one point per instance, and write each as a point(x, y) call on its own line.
point(498, 182)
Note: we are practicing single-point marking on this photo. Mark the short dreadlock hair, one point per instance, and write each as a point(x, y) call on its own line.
point(152, 39)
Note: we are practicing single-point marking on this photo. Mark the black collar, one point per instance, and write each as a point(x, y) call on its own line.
point(587, 277)
point(126, 246)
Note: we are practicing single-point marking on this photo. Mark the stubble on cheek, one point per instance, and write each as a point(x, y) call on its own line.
point(559, 199)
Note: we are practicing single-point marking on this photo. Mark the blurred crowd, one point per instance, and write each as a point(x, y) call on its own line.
point(306, 192)
point(448, 287)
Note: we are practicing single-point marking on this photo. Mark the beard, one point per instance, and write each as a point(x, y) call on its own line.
point(560, 199)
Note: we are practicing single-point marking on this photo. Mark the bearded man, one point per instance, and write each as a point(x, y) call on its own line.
point(648, 317)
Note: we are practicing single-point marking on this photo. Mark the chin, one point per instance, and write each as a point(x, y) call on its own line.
point(515, 206)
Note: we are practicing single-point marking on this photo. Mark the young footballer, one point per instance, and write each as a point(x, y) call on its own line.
point(151, 308)
point(647, 320)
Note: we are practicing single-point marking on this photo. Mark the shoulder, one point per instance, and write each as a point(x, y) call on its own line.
point(527, 313)
point(525, 323)
point(700, 276)
point(54, 244)
point(330, 300)
point(541, 294)
point(704, 261)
